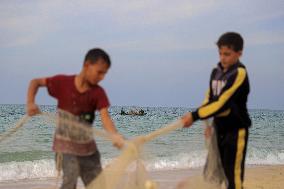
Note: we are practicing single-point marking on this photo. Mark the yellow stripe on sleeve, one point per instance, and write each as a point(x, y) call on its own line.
point(215, 106)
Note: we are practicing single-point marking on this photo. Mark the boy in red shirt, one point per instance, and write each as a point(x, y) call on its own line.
point(79, 96)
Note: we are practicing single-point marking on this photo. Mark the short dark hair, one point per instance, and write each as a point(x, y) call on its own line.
point(95, 54)
point(232, 40)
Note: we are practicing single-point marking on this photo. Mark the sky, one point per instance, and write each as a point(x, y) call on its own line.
point(162, 51)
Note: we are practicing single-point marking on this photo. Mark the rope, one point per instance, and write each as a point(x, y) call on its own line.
point(168, 128)
point(19, 124)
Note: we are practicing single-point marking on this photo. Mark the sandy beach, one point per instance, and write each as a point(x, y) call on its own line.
point(262, 177)
point(257, 177)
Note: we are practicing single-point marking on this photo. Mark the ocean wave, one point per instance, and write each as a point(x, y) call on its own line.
point(27, 170)
point(179, 161)
point(46, 168)
point(257, 156)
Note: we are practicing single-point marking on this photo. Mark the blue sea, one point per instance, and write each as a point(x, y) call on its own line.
point(27, 153)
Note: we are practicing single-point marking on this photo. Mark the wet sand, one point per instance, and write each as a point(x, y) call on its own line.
point(257, 177)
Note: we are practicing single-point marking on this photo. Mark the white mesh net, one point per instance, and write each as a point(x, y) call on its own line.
point(117, 175)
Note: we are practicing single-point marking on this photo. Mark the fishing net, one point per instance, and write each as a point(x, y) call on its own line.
point(213, 172)
point(127, 171)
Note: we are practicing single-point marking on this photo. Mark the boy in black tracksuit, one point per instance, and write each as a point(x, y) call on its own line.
point(226, 101)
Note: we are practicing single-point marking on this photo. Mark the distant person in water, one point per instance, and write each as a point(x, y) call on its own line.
point(141, 112)
point(122, 112)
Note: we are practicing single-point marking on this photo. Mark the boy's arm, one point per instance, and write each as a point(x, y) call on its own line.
point(110, 127)
point(187, 118)
point(223, 102)
point(214, 107)
point(32, 108)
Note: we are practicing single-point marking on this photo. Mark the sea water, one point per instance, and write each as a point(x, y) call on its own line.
point(27, 153)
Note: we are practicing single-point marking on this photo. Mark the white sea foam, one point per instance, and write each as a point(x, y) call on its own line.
point(262, 157)
point(27, 170)
point(180, 161)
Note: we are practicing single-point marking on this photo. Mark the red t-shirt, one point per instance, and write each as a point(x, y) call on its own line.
point(69, 99)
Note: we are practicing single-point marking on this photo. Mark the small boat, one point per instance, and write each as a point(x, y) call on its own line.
point(133, 112)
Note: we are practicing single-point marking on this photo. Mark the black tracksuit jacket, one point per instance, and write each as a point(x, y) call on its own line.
point(226, 99)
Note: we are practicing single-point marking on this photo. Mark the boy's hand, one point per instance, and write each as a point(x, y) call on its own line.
point(187, 119)
point(32, 109)
point(118, 140)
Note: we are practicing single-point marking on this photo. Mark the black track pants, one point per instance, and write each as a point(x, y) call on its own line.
point(232, 147)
